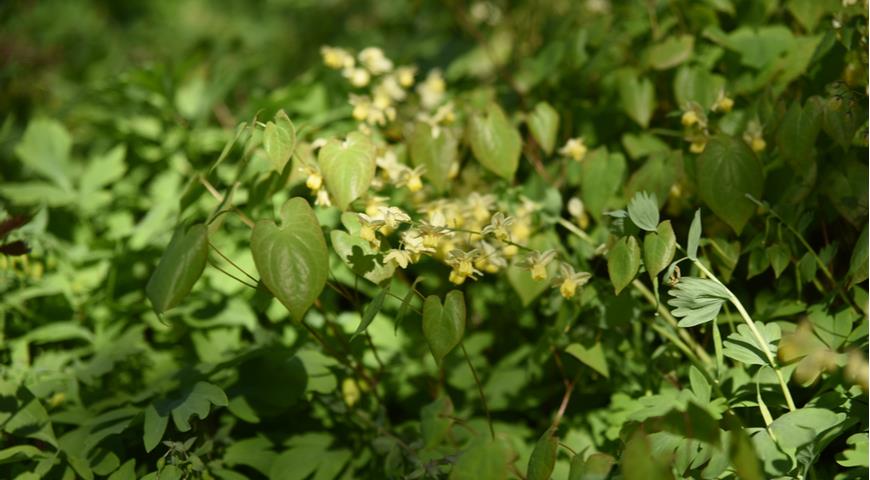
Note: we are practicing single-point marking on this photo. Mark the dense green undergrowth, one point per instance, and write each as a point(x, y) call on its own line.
point(568, 239)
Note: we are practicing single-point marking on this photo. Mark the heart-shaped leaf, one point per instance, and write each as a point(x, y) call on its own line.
point(544, 124)
point(443, 325)
point(727, 171)
point(360, 257)
point(436, 153)
point(623, 262)
point(348, 167)
point(637, 96)
point(659, 248)
point(292, 258)
point(279, 140)
point(180, 267)
point(495, 142)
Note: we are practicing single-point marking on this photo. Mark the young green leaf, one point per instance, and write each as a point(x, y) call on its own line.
point(659, 248)
point(544, 124)
point(543, 458)
point(743, 347)
point(486, 459)
point(596, 467)
point(600, 178)
point(592, 356)
point(444, 325)
point(495, 142)
point(292, 258)
point(637, 96)
point(697, 300)
point(370, 311)
point(623, 261)
point(360, 257)
point(154, 427)
point(779, 257)
point(694, 236)
point(643, 210)
point(348, 167)
point(179, 268)
point(279, 140)
point(437, 153)
point(727, 171)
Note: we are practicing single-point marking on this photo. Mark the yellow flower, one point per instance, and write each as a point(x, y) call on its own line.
point(698, 146)
point(336, 58)
point(375, 61)
point(758, 144)
point(463, 265)
point(498, 226)
point(368, 227)
point(400, 257)
point(575, 149)
point(724, 105)
point(405, 76)
point(358, 77)
point(537, 263)
point(689, 118)
point(432, 89)
point(314, 181)
point(569, 281)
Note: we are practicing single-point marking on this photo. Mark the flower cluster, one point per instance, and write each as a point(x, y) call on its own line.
point(695, 121)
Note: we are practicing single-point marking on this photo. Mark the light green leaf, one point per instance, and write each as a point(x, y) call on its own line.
point(436, 153)
point(659, 248)
point(292, 258)
point(696, 84)
point(623, 261)
point(600, 178)
point(700, 386)
point(19, 453)
point(641, 462)
point(543, 458)
point(444, 325)
point(673, 51)
point(743, 347)
point(279, 140)
point(45, 149)
point(370, 311)
point(359, 256)
point(697, 300)
point(22, 415)
point(758, 47)
point(179, 268)
point(804, 425)
point(637, 97)
point(486, 459)
point(544, 124)
point(348, 167)
point(495, 142)
point(103, 170)
point(656, 175)
point(435, 422)
point(643, 210)
point(858, 263)
point(856, 455)
point(593, 356)
point(727, 171)
point(596, 467)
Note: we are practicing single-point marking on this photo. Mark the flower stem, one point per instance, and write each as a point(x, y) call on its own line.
point(479, 390)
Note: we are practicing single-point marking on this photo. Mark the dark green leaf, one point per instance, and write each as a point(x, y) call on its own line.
point(495, 142)
point(623, 261)
point(596, 467)
point(659, 248)
point(727, 171)
point(444, 325)
point(179, 268)
point(543, 458)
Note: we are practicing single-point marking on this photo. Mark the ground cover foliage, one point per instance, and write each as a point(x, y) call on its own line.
point(290, 239)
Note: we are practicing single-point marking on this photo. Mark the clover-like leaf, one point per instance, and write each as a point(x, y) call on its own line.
point(348, 167)
point(643, 210)
point(495, 142)
point(179, 268)
point(292, 258)
point(697, 300)
point(444, 325)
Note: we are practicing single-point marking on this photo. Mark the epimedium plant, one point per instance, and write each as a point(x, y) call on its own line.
point(491, 280)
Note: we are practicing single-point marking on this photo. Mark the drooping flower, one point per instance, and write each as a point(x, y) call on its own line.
point(569, 281)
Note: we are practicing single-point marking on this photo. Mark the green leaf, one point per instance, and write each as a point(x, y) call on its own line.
point(436, 153)
point(444, 325)
point(543, 458)
point(179, 268)
point(495, 142)
point(486, 459)
point(809, 12)
point(657, 175)
point(643, 210)
point(637, 97)
point(727, 171)
point(803, 426)
point(659, 248)
point(694, 236)
point(779, 257)
point(593, 357)
point(600, 178)
point(743, 347)
point(623, 261)
point(19, 453)
point(671, 52)
point(279, 140)
point(759, 47)
point(856, 455)
point(435, 422)
point(697, 300)
point(797, 134)
point(842, 116)
point(359, 256)
point(22, 415)
point(696, 84)
point(596, 467)
point(544, 124)
point(348, 167)
point(370, 311)
point(292, 258)
point(154, 427)
point(195, 400)
point(44, 148)
point(640, 462)
point(859, 260)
